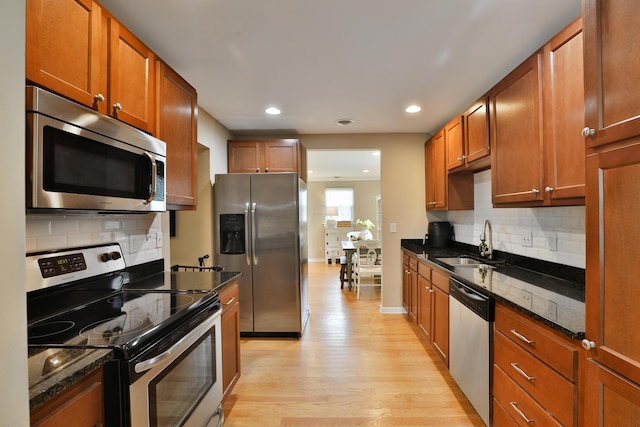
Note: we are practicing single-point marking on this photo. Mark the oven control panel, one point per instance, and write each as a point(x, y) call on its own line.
point(58, 265)
point(50, 268)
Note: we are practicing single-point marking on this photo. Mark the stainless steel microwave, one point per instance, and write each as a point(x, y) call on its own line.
point(81, 160)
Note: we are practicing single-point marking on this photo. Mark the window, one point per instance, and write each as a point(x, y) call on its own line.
point(341, 198)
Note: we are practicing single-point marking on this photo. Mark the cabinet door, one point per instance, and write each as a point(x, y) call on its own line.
point(564, 174)
point(425, 295)
point(65, 50)
point(429, 185)
point(244, 157)
point(177, 111)
point(516, 135)
point(413, 295)
point(610, 400)
point(131, 78)
point(440, 336)
point(436, 172)
point(80, 405)
point(612, 69)
point(612, 236)
point(476, 128)
point(406, 278)
point(230, 338)
point(280, 156)
point(454, 139)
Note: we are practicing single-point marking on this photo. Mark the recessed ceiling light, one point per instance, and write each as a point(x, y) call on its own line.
point(412, 109)
point(344, 122)
point(274, 111)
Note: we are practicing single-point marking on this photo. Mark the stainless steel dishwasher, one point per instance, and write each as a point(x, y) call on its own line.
point(471, 316)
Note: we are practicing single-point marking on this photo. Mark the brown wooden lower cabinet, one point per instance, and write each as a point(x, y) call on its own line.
point(229, 297)
point(433, 308)
point(80, 405)
point(535, 371)
point(611, 399)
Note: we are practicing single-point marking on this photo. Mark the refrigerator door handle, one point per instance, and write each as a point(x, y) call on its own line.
point(253, 234)
point(246, 234)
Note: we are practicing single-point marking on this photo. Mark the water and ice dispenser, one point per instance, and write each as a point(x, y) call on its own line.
point(232, 234)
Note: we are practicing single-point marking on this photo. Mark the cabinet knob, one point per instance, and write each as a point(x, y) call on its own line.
point(588, 345)
point(460, 159)
point(535, 191)
point(587, 132)
point(257, 170)
point(99, 98)
point(117, 106)
point(548, 189)
point(266, 169)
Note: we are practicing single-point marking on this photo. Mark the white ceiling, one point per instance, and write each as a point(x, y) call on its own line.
point(324, 60)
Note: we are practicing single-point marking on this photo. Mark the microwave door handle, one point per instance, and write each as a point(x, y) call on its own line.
point(253, 234)
point(154, 173)
point(246, 233)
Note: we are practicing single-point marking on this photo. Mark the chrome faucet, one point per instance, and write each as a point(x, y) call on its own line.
point(486, 249)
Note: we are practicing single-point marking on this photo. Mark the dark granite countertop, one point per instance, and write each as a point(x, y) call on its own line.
point(551, 293)
point(84, 361)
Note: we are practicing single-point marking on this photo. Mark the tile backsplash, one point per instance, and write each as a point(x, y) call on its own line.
point(139, 235)
point(555, 234)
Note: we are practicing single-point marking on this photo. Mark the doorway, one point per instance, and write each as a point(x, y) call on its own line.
point(356, 169)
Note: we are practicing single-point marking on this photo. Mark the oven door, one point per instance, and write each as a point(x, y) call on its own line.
point(183, 385)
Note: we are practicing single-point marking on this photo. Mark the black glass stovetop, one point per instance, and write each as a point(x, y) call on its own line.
point(107, 313)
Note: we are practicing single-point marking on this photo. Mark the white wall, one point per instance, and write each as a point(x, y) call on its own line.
point(14, 394)
point(558, 233)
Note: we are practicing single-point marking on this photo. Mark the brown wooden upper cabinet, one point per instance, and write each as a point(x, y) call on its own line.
point(177, 111)
point(468, 145)
point(263, 156)
point(435, 172)
point(445, 191)
point(537, 159)
point(612, 71)
point(75, 48)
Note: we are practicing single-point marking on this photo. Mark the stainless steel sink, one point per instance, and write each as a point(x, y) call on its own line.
point(464, 262)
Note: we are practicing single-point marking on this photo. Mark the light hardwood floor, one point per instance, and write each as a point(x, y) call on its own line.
point(353, 366)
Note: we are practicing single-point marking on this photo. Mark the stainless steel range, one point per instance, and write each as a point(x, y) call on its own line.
point(165, 337)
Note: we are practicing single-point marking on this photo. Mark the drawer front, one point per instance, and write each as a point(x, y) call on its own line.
point(413, 263)
point(554, 392)
point(424, 270)
point(229, 296)
point(534, 338)
point(441, 280)
point(500, 416)
point(518, 404)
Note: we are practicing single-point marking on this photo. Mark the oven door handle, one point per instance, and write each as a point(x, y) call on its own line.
point(218, 412)
point(179, 346)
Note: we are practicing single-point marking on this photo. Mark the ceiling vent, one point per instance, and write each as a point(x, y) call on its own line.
point(344, 122)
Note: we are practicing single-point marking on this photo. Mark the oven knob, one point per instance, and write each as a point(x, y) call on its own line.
point(104, 257)
point(116, 255)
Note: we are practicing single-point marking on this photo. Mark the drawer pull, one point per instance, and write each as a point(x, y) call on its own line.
point(230, 301)
point(522, 337)
point(514, 405)
point(523, 373)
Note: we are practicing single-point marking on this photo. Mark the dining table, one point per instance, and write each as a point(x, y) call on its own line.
point(349, 248)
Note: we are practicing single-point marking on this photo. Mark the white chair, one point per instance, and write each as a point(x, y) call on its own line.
point(367, 264)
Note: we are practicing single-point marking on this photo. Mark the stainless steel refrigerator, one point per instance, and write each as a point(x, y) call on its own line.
point(261, 230)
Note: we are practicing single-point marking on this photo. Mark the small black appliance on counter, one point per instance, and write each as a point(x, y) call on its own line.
point(439, 234)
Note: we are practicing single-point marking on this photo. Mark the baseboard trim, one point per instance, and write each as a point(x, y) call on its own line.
point(392, 310)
